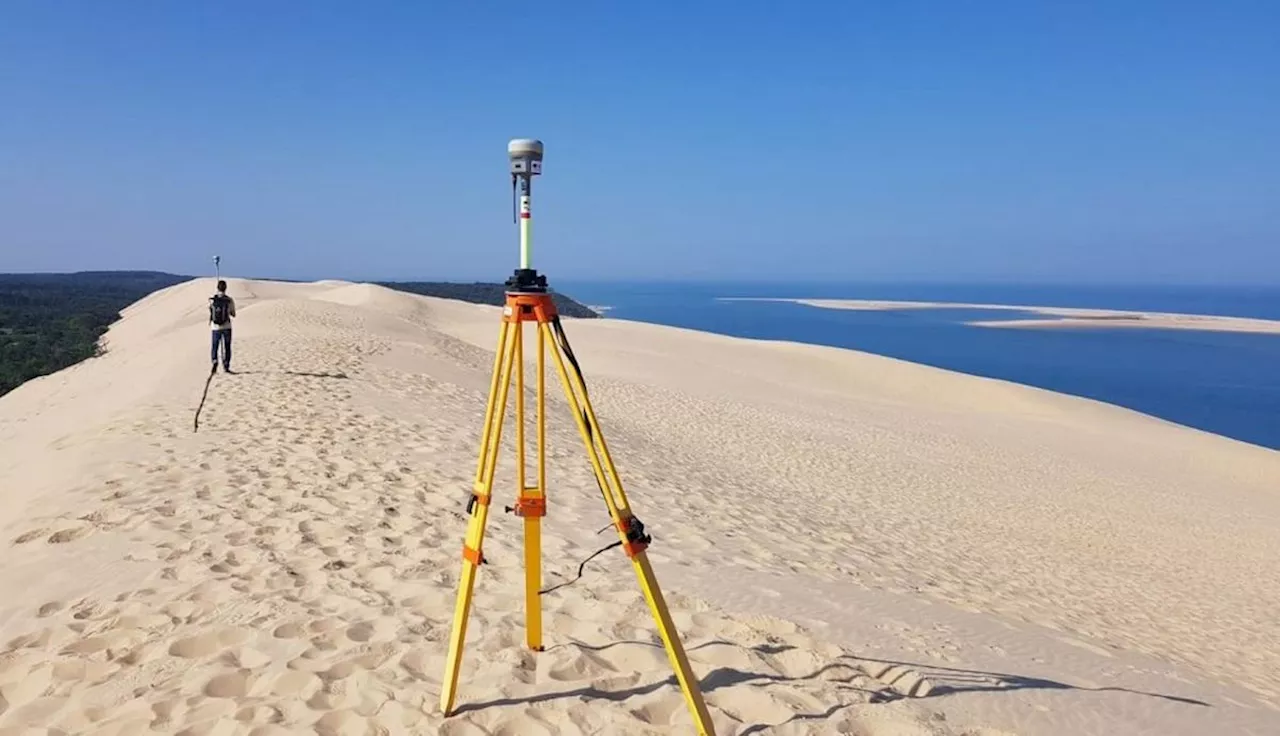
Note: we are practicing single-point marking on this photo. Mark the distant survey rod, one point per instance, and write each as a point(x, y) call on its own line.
point(526, 163)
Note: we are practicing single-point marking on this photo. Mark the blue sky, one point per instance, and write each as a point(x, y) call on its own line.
point(1115, 141)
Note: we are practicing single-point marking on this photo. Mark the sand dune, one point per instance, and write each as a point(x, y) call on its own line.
point(850, 544)
point(1062, 316)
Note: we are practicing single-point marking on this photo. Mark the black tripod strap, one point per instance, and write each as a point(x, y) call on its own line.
point(573, 361)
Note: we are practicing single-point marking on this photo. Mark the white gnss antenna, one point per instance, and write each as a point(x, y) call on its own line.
point(526, 162)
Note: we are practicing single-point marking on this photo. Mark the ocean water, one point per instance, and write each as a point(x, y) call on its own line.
point(1226, 383)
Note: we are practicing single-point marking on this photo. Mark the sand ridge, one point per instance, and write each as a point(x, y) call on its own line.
point(876, 548)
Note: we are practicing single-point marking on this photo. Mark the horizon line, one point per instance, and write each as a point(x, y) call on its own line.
point(689, 280)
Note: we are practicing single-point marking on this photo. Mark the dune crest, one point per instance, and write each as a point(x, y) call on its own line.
point(843, 539)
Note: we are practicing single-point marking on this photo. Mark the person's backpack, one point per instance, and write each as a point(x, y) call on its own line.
point(220, 309)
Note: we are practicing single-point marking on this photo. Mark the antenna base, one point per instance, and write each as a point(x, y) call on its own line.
point(527, 281)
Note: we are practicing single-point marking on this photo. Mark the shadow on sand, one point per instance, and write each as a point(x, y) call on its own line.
point(950, 680)
point(944, 680)
point(304, 374)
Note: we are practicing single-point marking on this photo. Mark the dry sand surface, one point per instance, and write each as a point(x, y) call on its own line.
point(1065, 317)
point(849, 543)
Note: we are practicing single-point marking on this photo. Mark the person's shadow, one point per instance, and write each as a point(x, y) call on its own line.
point(305, 374)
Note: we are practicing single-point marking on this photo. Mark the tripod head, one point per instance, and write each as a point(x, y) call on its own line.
point(525, 155)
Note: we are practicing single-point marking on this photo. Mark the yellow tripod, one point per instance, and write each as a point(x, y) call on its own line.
point(537, 307)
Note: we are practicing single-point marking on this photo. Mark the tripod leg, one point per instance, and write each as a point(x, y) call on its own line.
point(529, 506)
point(611, 486)
point(532, 507)
point(479, 509)
point(542, 413)
point(496, 375)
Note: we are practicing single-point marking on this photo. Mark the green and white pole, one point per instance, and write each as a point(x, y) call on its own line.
point(526, 222)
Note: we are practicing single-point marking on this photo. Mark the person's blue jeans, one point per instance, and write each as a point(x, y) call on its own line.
point(222, 337)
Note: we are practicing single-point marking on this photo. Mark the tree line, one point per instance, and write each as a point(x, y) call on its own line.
point(50, 321)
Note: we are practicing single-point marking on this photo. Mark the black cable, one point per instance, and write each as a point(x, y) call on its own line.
point(563, 339)
point(578, 577)
point(203, 396)
point(573, 360)
point(582, 566)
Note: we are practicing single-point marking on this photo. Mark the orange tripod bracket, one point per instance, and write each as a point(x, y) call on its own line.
point(529, 307)
point(536, 306)
point(529, 506)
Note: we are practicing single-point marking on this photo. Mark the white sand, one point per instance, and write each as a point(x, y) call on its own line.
point(1062, 316)
point(849, 543)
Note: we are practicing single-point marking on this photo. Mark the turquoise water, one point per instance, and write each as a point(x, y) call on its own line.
point(1226, 383)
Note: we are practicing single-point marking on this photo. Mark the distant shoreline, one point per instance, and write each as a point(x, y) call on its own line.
point(1059, 316)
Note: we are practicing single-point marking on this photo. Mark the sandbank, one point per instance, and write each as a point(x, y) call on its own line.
point(1062, 316)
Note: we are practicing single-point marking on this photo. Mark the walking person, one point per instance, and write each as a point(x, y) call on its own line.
point(221, 309)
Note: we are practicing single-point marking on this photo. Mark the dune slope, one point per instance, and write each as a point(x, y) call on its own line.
point(849, 544)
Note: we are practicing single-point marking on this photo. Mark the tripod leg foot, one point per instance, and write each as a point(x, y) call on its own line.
point(458, 635)
point(675, 649)
point(533, 582)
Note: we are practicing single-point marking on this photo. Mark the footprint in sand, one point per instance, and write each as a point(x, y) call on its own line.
point(208, 644)
point(297, 683)
point(291, 630)
point(229, 684)
point(246, 658)
point(30, 536)
point(364, 631)
point(85, 609)
point(50, 608)
point(581, 666)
